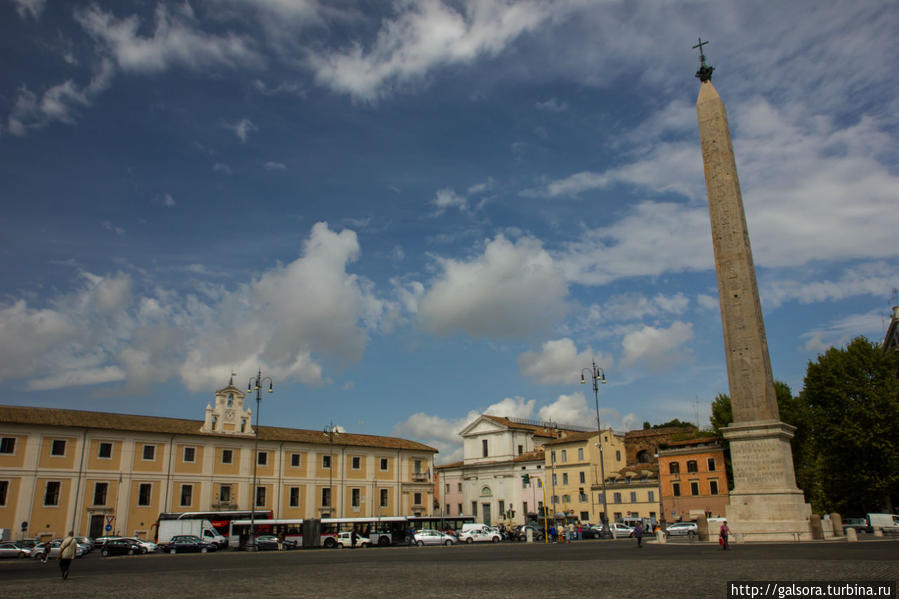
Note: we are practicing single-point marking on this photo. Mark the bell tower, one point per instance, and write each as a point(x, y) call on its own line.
point(228, 415)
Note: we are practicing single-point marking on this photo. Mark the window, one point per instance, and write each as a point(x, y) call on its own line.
point(58, 447)
point(555, 499)
point(585, 516)
point(262, 458)
point(502, 506)
point(673, 468)
point(294, 497)
point(524, 508)
point(227, 456)
point(260, 496)
point(564, 455)
point(187, 492)
point(616, 497)
point(190, 454)
point(143, 494)
point(416, 499)
point(520, 449)
point(230, 399)
point(51, 493)
point(326, 497)
point(100, 493)
point(618, 455)
point(474, 509)
point(675, 489)
point(484, 447)
point(8, 445)
point(713, 487)
point(447, 508)
point(356, 498)
point(384, 464)
point(225, 494)
point(694, 487)
point(580, 453)
point(651, 496)
point(582, 477)
point(458, 487)
point(326, 465)
point(555, 480)
point(552, 457)
point(4, 489)
point(104, 451)
point(711, 463)
point(460, 508)
point(416, 466)
point(149, 453)
point(384, 497)
point(633, 497)
point(357, 462)
point(691, 466)
point(295, 460)
point(564, 478)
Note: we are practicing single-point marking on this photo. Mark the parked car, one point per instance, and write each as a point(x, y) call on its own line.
point(345, 539)
point(433, 537)
point(146, 546)
point(121, 547)
point(621, 530)
point(479, 535)
point(38, 550)
point(521, 532)
point(682, 528)
point(87, 542)
point(13, 550)
point(270, 543)
point(189, 544)
point(859, 523)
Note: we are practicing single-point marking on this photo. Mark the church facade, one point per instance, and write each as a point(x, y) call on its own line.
point(102, 473)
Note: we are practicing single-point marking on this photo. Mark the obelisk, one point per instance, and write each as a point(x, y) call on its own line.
point(765, 503)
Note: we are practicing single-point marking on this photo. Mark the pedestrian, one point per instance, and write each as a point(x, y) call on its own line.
point(353, 539)
point(580, 532)
point(67, 554)
point(45, 552)
point(552, 533)
point(723, 533)
point(281, 540)
point(638, 532)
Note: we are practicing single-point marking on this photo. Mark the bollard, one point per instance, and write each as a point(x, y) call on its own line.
point(660, 537)
point(837, 523)
point(530, 535)
point(878, 532)
point(851, 535)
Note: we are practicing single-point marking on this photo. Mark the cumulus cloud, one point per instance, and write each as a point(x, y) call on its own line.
point(242, 130)
point(657, 349)
point(168, 201)
point(423, 36)
point(568, 409)
point(558, 361)
point(635, 306)
point(29, 8)
point(841, 331)
point(552, 105)
point(872, 278)
point(274, 166)
point(512, 290)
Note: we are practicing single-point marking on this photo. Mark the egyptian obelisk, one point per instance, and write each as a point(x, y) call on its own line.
point(765, 503)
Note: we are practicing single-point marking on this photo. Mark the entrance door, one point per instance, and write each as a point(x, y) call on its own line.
point(485, 510)
point(96, 526)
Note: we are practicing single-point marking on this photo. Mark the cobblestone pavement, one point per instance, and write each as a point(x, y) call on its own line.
point(586, 569)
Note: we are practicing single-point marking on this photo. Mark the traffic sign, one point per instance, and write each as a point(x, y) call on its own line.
point(108, 527)
point(109, 519)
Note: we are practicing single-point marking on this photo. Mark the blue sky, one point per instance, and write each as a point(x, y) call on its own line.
point(410, 213)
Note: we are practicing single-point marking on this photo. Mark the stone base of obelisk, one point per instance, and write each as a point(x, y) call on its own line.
point(766, 504)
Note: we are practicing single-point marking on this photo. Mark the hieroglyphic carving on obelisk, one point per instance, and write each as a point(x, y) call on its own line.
point(765, 503)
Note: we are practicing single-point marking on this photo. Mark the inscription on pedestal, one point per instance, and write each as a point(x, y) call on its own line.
point(759, 463)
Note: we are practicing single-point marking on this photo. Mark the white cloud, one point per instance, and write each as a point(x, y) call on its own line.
point(512, 290)
point(707, 302)
point(873, 278)
point(175, 41)
point(843, 330)
point(242, 129)
point(558, 361)
point(114, 228)
point(168, 201)
point(219, 167)
point(568, 409)
point(657, 349)
point(30, 8)
point(447, 198)
point(634, 306)
point(424, 36)
point(552, 105)
point(274, 166)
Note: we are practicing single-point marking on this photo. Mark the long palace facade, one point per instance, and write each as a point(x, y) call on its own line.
point(86, 471)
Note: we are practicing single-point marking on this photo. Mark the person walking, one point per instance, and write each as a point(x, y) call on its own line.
point(281, 540)
point(723, 534)
point(46, 554)
point(638, 532)
point(552, 533)
point(67, 554)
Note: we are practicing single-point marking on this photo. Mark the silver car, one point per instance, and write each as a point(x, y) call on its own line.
point(682, 528)
point(12, 550)
point(39, 549)
point(429, 536)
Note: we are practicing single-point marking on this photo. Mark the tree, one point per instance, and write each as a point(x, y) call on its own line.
point(852, 399)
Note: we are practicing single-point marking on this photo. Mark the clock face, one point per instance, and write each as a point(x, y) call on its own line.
point(229, 414)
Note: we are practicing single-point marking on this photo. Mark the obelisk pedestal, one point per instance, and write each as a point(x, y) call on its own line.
point(765, 503)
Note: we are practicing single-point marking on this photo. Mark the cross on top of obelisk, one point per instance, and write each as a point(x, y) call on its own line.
point(705, 71)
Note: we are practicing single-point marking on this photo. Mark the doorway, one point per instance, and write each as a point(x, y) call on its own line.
point(96, 528)
point(485, 510)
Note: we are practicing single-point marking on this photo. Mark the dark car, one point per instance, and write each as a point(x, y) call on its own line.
point(859, 523)
point(189, 544)
point(270, 543)
point(121, 547)
point(521, 532)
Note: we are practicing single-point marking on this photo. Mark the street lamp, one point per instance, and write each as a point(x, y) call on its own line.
point(256, 383)
point(330, 430)
point(598, 375)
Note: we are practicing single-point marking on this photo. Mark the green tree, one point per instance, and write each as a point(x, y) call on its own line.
point(851, 396)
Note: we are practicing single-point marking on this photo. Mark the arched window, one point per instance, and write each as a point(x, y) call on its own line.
point(644, 457)
point(674, 468)
point(230, 399)
point(691, 466)
point(485, 492)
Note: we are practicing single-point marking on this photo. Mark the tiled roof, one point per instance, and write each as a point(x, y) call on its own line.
point(694, 441)
point(652, 432)
point(571, 438)
point(177, 426)
point(535, 429)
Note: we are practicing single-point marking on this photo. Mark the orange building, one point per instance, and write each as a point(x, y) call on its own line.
point(693, 480)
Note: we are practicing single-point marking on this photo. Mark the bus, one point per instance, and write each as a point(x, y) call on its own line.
point(220, 520)
point(383, 531)
point(441, 523)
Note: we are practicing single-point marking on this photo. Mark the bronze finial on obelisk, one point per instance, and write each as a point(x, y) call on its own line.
point(765, 503)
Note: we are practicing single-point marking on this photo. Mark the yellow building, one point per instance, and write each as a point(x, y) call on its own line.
point(573, 465)
point(71, 469)
point(634, 492)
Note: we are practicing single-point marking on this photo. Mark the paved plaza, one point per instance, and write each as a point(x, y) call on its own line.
point(584, 569)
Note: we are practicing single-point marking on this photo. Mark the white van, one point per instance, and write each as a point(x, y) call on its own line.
point(885, 522)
